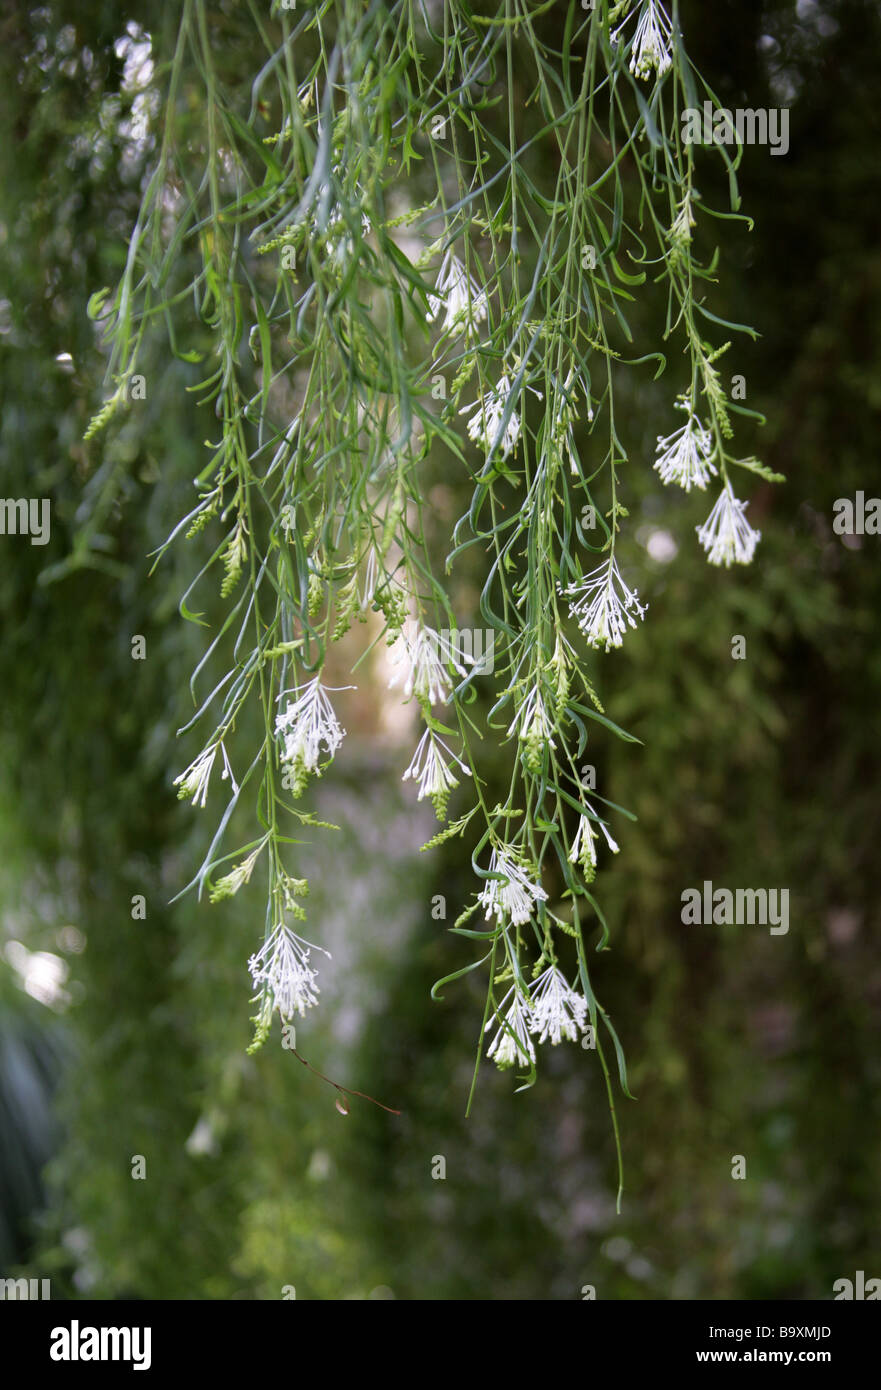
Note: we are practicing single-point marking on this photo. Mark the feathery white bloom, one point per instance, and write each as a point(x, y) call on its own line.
point(651, 42)
point(535, 724)
point(508, 1050)
point(419, 653)
point(584, 845)
point(684, 456)
point(457, 292)
point(193, 783)
point(308, 722)
point(429, 769)
point(726, 535)
point(604, 605)
point(517, 896)
point(283, 964)
point(558, 1011)
point(484, 424)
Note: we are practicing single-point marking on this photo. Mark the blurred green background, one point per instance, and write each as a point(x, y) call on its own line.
point(122, 1037)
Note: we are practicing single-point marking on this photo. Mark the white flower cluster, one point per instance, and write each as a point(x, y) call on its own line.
point(193, 783)
point(553, 1011)
point(651, 42)
point(430, 769)
point(685, 457)
point(282, 963)
point(583, 849)
point(458, 296)
point(533, 721)
point(726, 535)
point(307, 722)
point(536, 720)
point(516, 896)
point(422, 659)
point(485, 423)
point(603, 605)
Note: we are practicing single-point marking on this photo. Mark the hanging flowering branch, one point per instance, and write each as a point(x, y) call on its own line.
point(396, 262)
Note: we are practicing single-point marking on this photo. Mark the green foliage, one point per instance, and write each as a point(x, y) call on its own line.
point(325, 344)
